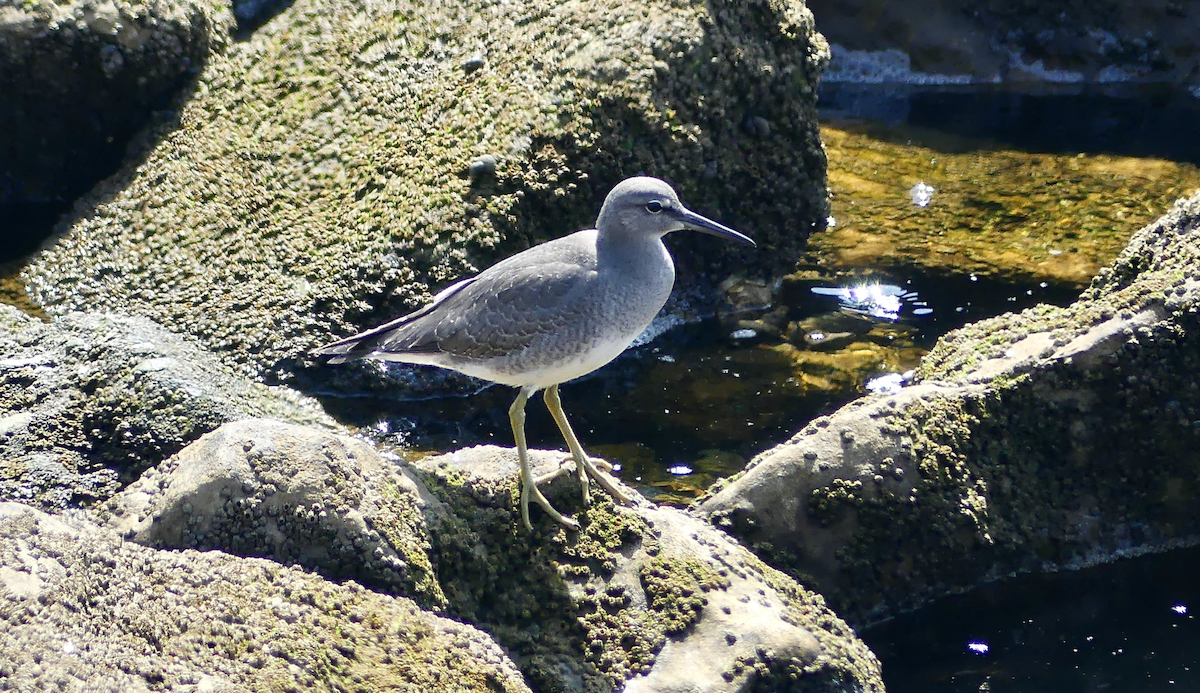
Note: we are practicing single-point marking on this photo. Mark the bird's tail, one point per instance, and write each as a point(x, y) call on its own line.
point(390, 337)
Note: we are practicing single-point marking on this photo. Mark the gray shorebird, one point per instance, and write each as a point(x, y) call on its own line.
point(550, 314)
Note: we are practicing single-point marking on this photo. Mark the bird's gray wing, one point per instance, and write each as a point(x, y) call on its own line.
point(515, 307)
point(375, 339)
point(496, 313)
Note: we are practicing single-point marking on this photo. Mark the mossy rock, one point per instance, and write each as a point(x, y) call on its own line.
point(89, 402)
point(1054, 437)
point(640, 598)
point(320, 180)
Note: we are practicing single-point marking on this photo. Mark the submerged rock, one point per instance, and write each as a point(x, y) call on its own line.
point(89, 402)
point(1055, 437)
point(641, 598)
point(319, 182)
point(1016, 216)
point(83, 609)
point(1056, 41)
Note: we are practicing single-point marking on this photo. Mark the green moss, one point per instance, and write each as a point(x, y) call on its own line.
point(403, 526)
point(552, 596)
point(320, 169)
point(676, 590)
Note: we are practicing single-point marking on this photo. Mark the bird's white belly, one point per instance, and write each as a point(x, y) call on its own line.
point(551, 373)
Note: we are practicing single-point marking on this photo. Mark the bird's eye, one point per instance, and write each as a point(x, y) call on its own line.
point(654, 206)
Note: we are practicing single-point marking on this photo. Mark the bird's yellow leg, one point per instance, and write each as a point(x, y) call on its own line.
point(516, 417)
point(583, 464)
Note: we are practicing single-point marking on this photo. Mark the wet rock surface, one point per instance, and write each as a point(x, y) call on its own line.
point(81, 608)
point(643, 597)
point(89, 402)
point(294, 494)
point(80, 78)
point(1062, 40)
point(324, 167)
point(1050, 437)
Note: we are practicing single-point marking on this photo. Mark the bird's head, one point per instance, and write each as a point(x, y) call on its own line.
point(649, 207)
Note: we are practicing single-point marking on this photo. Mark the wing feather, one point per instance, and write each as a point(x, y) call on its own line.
point(510, 306)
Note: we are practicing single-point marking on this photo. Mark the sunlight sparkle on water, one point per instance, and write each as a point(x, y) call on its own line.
point(875, 300)
point(886, 384)
point(921, 194)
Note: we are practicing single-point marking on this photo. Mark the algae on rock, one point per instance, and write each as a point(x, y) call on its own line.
point(1051, 437)
point(318, 182)
point(640, 599)
point(84, 609)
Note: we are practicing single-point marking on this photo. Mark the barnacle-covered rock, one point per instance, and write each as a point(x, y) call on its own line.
point(1051, 437)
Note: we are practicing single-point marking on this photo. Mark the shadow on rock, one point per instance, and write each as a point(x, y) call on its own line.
point(80, 79)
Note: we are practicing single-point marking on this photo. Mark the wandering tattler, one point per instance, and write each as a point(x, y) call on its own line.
point(550, 314)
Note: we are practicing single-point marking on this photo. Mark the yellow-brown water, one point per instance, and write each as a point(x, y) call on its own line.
point(1017, 216)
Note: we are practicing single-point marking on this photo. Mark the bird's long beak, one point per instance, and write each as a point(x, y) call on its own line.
point(705, 225)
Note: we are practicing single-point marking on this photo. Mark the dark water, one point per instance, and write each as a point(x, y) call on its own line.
point(1127, 627)
point(1142, 120)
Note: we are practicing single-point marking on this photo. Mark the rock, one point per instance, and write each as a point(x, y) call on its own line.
point(88, 402)
point(314, 185)
point(251, 14)
point(1056, 437)
point(1057, 41)
point(642, 598)
point(294, 494)
point(482, 167)
point(80, 608)
point(79, 78)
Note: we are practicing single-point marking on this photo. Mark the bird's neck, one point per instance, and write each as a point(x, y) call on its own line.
point(618, 244)
point(639, 257)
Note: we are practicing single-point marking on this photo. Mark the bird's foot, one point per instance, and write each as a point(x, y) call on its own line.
point(588, 468)
point(592, 469)
point(531, 490)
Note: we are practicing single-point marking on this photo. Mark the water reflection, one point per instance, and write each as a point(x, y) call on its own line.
point(1143, 120)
